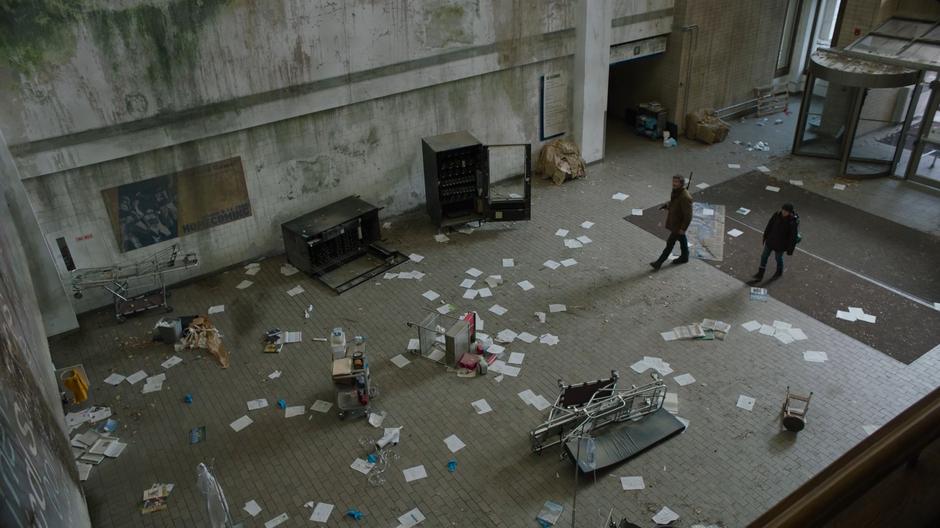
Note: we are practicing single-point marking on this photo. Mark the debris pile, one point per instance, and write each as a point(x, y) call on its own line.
point(201, 334)
point(560, 160)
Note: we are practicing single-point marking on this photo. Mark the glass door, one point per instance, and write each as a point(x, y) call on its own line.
point(509, 190)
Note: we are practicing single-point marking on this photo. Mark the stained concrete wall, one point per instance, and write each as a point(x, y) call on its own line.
point(38, 480)
point(319, 99)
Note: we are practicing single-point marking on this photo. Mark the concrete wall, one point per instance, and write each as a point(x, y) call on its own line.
point(319, 99)
point(38, 480)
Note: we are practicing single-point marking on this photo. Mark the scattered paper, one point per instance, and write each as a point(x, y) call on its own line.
point(244, 284)
point(481, 406)
point(274, 375)
point(571, 243)
point(632, 483)
point(484, 293)
point(493, 280)
point(260, 403)
point(797, 334)
point(839, 187)
point(527, 396)
point(473, 272)
point(702, 185)
point(548, 339)
point(516, 358)
point(750, 326)
point(569, 262)
point(745, 402)
point(815, 356)
point(525, 285)
point(684, 379)
point(294, 410)
point(454, 443)
point(506, 336)
point(321, 406)
point(526, 337)
point(469, 294)
point(414, 257)
point(561, 233)
point(509, 263)
point(668, 336)
point(497, 309)
point(772, 188)
point(734, 165)
point(783, 335)
point(362, 466)
point(496, 349)
point(252, 508)
point(296, 290)
point(584, 240)
point(743, 211)
point(445, 309)
point(587, 224)
point(241, 423)
point(436, 355)
point(708, 212)
point(553, 308)
point(276, 521)
point(400, 361)
point(735, 233)
point(411, 518)
point(254, 271)
point(137, 376)
point(377, 418)
point(798, 183)
point(115, 379)
point(441, 238)
point(665, 516)
point(430, 295)
point(415, 473)
point(763, 169)
point(287, 270)
point(414, 344)
point(540, 403)
point(767, 330)
point(868, 318)
point(551, 264)
point(216, 309)
point(293, 337)
point(636, 212)
point(321, 512)
point(848, 316)
point(620, 196)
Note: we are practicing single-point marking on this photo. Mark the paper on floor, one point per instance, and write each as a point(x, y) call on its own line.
point(735, 233)
point(684, 379)
point(839, 187)
point(525, 285)
point(734, 165)
point(636, 212)
point(244, 284)
point(798, 183)
point(551, 264)
point(763, 169)
point(772, 188)
point(548, 339)
point(295, 291)
point(620, 196)
point(750, 326)
point(219, 308)
point(274, 375)
point(411, 518)
point(415, 473)
point(430, 295)
point(481, 406)
point(847, 316)
point(669, 336)
point(137, 376)
point(561, 233)
point(557, 308)
point(252, 508)
point(484, 293)
point(321, 512)
point(294, 410)
point(584, 240)
point(815, 356)
point(441, 238)
point(571, 243)
point(702, 185)
point(362, 466)
point(454, 443)
point(445, 309)
point(496, 349)
point(260, 403)
point(469, 294)
point(400, 361)
point(587, 224)
point(414, 257)
point(708, 212)
point(743, 211)
point(671, 402)
point(569, 262)
point(516, 358)
point(115, 379)
point(540, 403)
point(509, 263)
point(287, 270)
point(745, 402)
point(254, 271)
point(632, 483)
point(767, 330)
point(526, 337)
point(665, 516)
point(321, 406)
point(473, 272)
point(241, 423)
point(276, 521)
point(497, 309)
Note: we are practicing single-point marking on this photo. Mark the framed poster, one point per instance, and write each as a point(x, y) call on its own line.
point(553, 103)
point(173, 205)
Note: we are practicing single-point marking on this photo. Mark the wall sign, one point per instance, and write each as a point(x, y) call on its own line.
point(173, 205)
point(553, 99)
point(637, 49)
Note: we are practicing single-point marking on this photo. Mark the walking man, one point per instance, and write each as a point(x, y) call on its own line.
point(781, 234)
point(678, 218)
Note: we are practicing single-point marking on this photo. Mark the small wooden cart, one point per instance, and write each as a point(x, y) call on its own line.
point(352, 382)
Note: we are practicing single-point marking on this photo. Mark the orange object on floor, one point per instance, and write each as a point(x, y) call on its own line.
point(75, 381)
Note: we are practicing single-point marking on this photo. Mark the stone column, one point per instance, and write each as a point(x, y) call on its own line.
point(591, 70)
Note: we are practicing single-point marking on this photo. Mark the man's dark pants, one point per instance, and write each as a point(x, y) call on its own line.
point(671, 243)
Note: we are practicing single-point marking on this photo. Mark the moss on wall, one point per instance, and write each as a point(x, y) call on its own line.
point(32, 30)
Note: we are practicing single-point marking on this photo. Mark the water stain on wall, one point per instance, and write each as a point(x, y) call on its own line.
point(448, 23)
point(309, 176)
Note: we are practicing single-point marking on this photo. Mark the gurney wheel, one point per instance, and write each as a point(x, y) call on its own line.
point(342, 415)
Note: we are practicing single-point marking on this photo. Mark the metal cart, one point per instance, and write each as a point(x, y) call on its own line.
point(444, 338)
point(353, 386)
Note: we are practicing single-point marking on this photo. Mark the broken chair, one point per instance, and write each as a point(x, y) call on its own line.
point(795, 407)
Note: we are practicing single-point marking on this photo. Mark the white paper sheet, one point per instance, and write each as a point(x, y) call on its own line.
point(708, 212)
point(294, 410)
point(540, 403)
point(484, 293)
point(219, 308)
point(671, 402)
point(797, 334)
point(470, 294)
point(244, 284)
point(815, 356)
point(526, 337)
point(510, 370)
point(411, 518)
point(839, 187)
point(415, 473)
point(632, 483)
point(554, 308)
point(516, 358)
point(561, 233)
point(571, 243)
point(551, 264)
point(636, 212)
point(400, 361)
point(293, 337)
point(321, 512)
point(252, 508)
point(362, 466)
point(527, 396)
point(548, 339)
point(260, 403)
point(798, 183)
point(668, 336)
point(584, 240)
point(847, 316)
point(274, 375)
point(702, 185)
point(868, 318)
point(295, 291)
point(287, 270)
point(620, 196)
point(436, 355)
point(665, 516)
point(684, 379)
point(735, 233)
point(254, 271)
point(473, 272)
point(135, 377)
point(772, 188)
point(414, 257)
point(321, 406)
point(445, 309)
point(763, 169)
point(745, 402)
point(750, 326)
point(430, 295)
point(114, 379)
point(767, 330)
point(481, 406)
point(783, 336)
point(277, 521)
point(241, 423)
point(441, 238)
point(734, 165)
point(525, 285)
point(743, 211)
point(587, 224)
point(782, 324)
point(569, 262)
point(454, 443)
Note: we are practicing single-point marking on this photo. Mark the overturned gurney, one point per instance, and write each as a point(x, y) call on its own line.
point(600, 425)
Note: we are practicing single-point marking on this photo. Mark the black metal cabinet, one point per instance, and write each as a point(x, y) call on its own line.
point(466, 181)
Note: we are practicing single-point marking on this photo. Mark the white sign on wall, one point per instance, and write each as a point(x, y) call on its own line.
point(637, 49)
point(553, 94)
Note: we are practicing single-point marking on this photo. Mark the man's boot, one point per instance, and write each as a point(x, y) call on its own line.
point(759, 276)
point(778, 273)
point(656, 264)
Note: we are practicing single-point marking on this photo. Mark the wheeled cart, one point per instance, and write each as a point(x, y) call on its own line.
point(352, 383)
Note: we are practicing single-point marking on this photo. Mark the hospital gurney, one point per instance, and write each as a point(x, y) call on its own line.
point(600, 424)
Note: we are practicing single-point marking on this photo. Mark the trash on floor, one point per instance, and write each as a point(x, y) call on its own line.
point(758, 294)
point(197, 434)
point(202, 334)
point(155, 498)
point(550, 513)
point(665, 516)
point(855, 314)
point(560, 160)
point(704, 125)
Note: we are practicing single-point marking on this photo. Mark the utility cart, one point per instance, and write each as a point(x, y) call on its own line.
point(352, 383)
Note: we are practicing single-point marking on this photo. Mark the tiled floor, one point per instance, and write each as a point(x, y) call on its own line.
point(728, 467)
